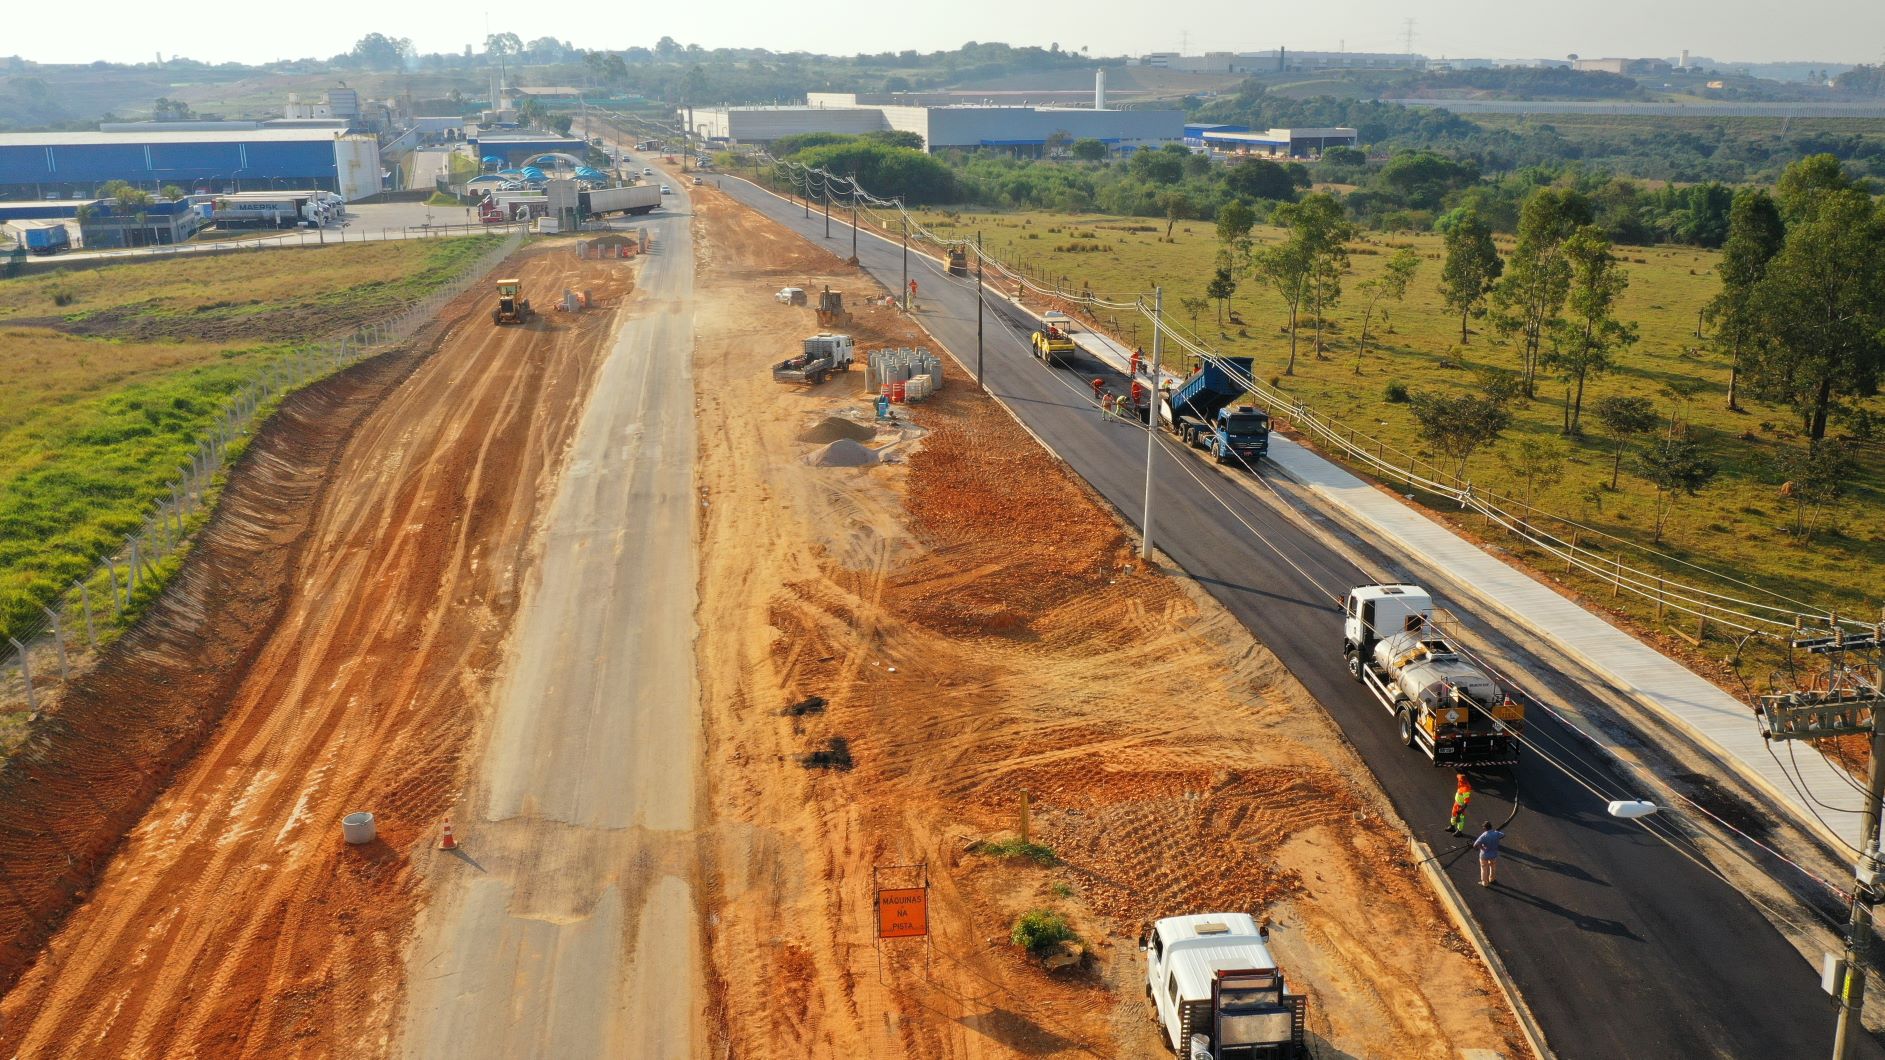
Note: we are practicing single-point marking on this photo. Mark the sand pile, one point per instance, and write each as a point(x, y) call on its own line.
point(833, 428)
point(843, 453)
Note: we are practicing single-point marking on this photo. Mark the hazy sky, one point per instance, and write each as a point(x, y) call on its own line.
point(1745, 30)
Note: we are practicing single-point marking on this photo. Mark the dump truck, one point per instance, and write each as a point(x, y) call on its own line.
point(1198, 410)
point(510, 308)
point(1216, 991)
point(822, 355)
point(1054, 346)
point(1445, 705)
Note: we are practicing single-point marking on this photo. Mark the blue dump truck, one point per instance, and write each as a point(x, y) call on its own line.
point(41, 236)
point(1199, 411)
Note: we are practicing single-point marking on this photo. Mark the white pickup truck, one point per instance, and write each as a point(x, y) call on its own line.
point(1216, 992)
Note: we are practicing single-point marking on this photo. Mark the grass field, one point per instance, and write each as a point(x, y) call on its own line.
point(112, 374)
point(1739, 524)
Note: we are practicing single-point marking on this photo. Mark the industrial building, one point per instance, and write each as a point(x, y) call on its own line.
point(73, 164)
point(1277, 59)
point(958, 125)
point(1272, 143)
point(514, 148)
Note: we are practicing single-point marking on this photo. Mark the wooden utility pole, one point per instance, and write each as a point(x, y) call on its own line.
point(1151, 421)
point(825, 183)
point(854, 218)
point(905, 289)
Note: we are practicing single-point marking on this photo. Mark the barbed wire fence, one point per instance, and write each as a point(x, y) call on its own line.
point(1672, 586)
point(106, 600)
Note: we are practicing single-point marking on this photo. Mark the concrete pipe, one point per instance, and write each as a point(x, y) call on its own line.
point(358, 828)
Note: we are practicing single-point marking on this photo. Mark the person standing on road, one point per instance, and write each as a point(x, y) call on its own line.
point(1462, 797)
point(1488, 846)
point(1099, 389)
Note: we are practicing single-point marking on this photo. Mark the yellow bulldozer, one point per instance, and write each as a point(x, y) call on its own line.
point(510, 309)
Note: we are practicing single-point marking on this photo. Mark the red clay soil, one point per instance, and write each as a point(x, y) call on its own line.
point(325, 650)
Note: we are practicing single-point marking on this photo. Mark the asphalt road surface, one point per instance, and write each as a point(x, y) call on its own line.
point(1621, 945)
point(570, 927)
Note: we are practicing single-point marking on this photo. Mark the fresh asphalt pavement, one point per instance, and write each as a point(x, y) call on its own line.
point(1621, 945)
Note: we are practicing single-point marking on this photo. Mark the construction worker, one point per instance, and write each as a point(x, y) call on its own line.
point(1099, 389)
point(1106, 404)
point(1462, 797)
point(1137, 356)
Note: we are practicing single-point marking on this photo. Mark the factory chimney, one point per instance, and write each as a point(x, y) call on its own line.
point(1099, 89)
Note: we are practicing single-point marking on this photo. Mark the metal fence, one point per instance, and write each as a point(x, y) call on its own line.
point(92, 607)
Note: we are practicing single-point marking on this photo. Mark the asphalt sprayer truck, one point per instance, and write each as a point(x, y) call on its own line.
point(1199, 411)
point(1444, 704)
point(1216, 992)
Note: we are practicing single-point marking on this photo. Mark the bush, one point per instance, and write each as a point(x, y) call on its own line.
point(1395, 392)
point(1040, 930)
point(1015, 848)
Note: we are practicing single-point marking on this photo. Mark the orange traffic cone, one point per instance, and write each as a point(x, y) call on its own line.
point(446, 842)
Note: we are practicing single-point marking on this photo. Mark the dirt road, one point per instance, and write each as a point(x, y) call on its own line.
point(568, 926)
point(233, 921)
point(974, 624)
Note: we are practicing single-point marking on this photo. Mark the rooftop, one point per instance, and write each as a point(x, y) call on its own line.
point(69, 139)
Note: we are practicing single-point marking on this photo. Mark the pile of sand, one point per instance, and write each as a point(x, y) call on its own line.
point(832, 428)
point(843, 453)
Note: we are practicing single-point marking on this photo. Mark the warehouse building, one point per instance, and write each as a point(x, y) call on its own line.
point(74, 164)
point(1278, 143)
point(1024, 129)
point(515, 148)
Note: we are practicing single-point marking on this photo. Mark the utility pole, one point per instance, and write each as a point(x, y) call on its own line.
point(905, 289)
point(1849, 705)
point(808, 194)
point(854, 218)
point(1151, 421)
point(978, 312)
point(825, 184)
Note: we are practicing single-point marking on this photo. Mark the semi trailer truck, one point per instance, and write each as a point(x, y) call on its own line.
point(1200, 412)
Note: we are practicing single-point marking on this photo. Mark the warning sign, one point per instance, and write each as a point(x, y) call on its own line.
point(902, 912)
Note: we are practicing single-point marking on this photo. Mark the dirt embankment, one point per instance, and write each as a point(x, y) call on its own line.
point(977, 625)
point(324, 651)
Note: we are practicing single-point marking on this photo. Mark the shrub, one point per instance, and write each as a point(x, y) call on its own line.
point(1015, 848)
point(1395, 392)
point(1040, 930)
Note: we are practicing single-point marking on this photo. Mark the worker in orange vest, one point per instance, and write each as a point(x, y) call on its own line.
point(1462, 797)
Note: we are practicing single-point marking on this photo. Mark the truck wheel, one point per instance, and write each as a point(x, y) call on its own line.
point(1406, 722)
point(1353, 659)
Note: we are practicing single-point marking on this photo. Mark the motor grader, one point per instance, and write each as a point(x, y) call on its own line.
point(510, 309)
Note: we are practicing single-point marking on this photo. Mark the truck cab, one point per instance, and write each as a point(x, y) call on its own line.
point(1242, 433)
point(1217, 993)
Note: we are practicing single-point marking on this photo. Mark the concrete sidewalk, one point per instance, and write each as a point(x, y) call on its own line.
point(1717, 721)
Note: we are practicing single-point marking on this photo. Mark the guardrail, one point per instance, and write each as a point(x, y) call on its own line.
point(115, 592)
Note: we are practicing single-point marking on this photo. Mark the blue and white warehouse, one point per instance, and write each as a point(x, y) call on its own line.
point(74, 164)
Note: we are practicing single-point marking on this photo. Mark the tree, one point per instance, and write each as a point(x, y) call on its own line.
point(1088, 149)
point(1235, 219)
point(1307, 262)
point(1623, 417)
point(503, 45)
point(1259, 178)
point(1391, 285)
point(1813, 479)
point(1755, 235)
point(1057, 142)
point(171, 191)
point(1535, 465)
point(377, 51)
point(1285, 267)
point(1677, 468)
point(1821, 309)
point(1194, 308)
point(1807, 183)
point(1460, 425)
point(1177, 206)
point(897, 138)
point(1584, 343)
point(1221, 287)
point(1537, 279)
point(1471, 268)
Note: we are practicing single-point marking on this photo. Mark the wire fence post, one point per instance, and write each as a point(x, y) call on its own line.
point(26, 673)
point(58, 642)
point(117, 596)
point(85, 604)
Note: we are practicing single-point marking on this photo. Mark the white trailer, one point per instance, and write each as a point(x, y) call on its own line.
point(1217, 993)
point(1443, 704)
point(634, 199)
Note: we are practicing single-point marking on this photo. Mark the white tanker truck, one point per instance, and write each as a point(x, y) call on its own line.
point(1442, 703)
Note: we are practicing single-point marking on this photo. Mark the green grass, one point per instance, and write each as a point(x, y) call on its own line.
point(1039, 930)
point(1014, 847)
point(92, 429)
point(1740, 524)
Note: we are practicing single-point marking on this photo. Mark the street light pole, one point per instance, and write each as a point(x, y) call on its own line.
point(978, 312)
point(1151, 421)
point(1859, 925)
